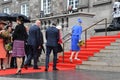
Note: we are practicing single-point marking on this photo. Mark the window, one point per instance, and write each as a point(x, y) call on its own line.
point(73, 3)
point(6, 10)
point(46, 6)
point(25, 9)
point(5, 0)
point(101, 0)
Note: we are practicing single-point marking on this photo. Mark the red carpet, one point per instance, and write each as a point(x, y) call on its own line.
point(29, 70)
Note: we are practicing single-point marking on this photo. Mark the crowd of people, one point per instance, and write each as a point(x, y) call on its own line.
point(19, 46)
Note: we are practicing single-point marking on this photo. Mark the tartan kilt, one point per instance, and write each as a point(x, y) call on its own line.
point(18, 48)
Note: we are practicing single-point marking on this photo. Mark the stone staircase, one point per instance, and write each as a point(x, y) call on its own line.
point(100, 53)
point(107, 59)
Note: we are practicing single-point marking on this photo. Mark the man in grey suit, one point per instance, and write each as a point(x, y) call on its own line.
point(52, 37)
point(35, 42)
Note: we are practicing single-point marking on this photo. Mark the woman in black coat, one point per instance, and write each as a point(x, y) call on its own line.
point(19, 39)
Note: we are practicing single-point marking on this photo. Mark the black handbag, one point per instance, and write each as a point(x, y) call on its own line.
point(60, 49)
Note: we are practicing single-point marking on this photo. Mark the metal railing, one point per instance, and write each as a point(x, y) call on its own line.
point(85, 30)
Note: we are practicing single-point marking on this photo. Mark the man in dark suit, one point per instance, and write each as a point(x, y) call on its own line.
point(52, 37)
point(34, 42)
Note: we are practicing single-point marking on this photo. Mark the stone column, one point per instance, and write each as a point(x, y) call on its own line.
point(47, 24)
point(65, 22)
point(60, 21)
point(90, 5)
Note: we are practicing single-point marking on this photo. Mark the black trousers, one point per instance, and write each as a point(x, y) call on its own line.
point(33, 53)
point(49, 49)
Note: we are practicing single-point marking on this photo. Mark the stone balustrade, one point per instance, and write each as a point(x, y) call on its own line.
point(67, 21)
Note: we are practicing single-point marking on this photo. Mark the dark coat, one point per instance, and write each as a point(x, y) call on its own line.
point(52, 36)
point(20, 33)
point(35, 36)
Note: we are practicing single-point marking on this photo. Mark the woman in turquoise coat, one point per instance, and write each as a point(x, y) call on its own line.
point(75, 38)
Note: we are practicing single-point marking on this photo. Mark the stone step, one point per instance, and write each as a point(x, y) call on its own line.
point(94, 59)
point(98, 58)
point(110, 62)
point(112, 47)
point(118, 40)
point(107, 54)
point(99, 68)
point(106, 59)
point(94, 63)
point(109, 51)
point(115, 44)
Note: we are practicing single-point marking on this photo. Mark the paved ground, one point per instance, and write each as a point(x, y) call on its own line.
point(66, 75)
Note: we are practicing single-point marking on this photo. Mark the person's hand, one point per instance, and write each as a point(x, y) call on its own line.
point(79, 40)
point(2, 31)
point(39, 47)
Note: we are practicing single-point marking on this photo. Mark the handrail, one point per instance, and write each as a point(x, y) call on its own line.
point(66, 35)
point(94, 24)
point(85, 30)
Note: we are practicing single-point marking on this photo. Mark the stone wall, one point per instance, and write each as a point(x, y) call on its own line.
point(58, 7)
point(34, 8)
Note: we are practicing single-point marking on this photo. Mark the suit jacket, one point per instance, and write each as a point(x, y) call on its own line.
point(52, 36)
point(35, 37)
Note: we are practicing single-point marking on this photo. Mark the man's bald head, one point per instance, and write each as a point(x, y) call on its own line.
point(38, 22)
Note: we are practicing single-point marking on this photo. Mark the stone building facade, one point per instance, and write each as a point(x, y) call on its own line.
point(90, 11)
point(47, 10)
point(56, 7)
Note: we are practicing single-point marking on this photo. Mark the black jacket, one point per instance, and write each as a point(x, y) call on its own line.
point(20, 33)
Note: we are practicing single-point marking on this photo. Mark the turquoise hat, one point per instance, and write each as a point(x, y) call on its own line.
point(79, 20)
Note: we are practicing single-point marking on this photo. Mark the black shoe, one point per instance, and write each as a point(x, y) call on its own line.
point(46, 69)
point(56, 69)
point(37, 68)
point(30, 65)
